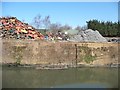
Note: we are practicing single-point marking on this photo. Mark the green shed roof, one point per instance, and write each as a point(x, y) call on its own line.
point(72, 31)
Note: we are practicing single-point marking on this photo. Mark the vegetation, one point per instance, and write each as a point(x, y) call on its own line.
point(89, 58)
point(42, 31)
point(46, 24)
point(107, 29)
point(86, 54)
point(18, 55)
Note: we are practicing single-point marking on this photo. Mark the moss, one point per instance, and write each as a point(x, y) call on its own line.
point(85, 54)
point(17, 54)
point(18, 59)
point(89, 58)
point(86, 49)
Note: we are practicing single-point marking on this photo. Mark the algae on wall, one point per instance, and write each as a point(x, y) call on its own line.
point(18, 54)
point(85, 54)
point(37, 52)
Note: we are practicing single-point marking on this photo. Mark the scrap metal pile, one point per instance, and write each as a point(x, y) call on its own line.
point(11, 27)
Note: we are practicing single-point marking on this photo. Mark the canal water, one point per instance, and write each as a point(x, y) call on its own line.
point(17, 77)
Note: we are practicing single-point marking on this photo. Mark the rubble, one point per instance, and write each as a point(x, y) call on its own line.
point(88, 36)
point(11, 27)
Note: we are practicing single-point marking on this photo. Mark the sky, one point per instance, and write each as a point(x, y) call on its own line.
point(71, 13)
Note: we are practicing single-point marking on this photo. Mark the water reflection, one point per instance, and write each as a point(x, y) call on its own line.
point(74, 77)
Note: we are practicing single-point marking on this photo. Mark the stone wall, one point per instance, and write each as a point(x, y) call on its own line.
point(67, 53)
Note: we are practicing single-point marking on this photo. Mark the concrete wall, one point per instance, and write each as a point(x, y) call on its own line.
point(41, 52)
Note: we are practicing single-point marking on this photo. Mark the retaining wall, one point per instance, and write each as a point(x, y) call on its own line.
point(67, 53)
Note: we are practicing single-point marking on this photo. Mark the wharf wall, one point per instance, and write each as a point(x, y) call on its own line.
point(58, 53)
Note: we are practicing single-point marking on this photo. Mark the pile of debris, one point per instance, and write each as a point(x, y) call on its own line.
point(11, 27)
point(88, 36)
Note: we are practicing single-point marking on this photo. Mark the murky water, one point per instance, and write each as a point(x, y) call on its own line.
point(71, 78)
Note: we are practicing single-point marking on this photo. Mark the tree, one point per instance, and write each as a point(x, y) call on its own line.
point(105, 28)
point(66, 27)
point(55, 27)
point(37, 21)
point(78, 28)
point(116, 27)
point(84, 27)
point(46, 22)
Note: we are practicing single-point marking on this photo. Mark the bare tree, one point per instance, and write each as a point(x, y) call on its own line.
point(78, 28)
point(46, 22)
point(37, 21)
point(55, 27)
point(84, 27)
point(66, 27)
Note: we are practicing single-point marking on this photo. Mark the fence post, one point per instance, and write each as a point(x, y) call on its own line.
point(76, 55)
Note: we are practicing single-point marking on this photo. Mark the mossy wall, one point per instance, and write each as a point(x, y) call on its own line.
point(67, 53)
